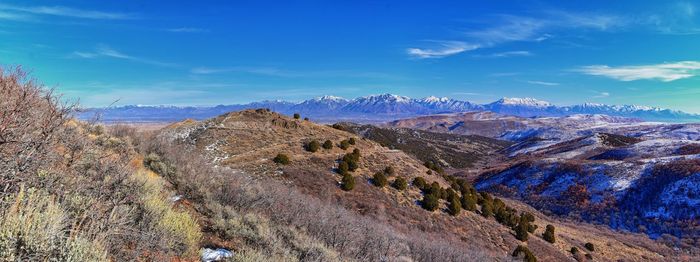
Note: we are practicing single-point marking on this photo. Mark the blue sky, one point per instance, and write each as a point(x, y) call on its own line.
point(215, 52)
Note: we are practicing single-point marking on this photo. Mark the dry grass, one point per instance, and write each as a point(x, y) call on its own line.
point(85, 198)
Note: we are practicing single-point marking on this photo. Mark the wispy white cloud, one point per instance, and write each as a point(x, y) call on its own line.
point(441, 49)
point(13, 16)
point(602, 95)
point(187, 30)
point(520, 28)
point(510, 54)
point(511, 28)
point(65, 12)
point(106, 51)
point(665, 72)
point(270, 71)
point(504, 74)
point(543, 83)
point(678, 18)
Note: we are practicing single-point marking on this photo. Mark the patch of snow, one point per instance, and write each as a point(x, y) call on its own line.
point(212, 255)
point(175, 198)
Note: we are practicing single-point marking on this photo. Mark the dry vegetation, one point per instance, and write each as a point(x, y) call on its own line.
point(72, 192)
point(76, 191)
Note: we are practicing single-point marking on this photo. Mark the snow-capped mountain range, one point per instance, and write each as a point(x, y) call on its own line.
point(387, 107)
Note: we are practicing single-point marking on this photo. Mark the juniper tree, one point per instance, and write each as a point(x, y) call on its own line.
point(469, 201)
point(548, 234)
point(521, 230)
point(328, 144)
point(344, 144)
point(399, 183)
point(379, 179)
point(348, 182)
point(281, 159)
point(525, 253)
point(313, 146)
point(430, 202)
point(419, 182)
point(454, 207)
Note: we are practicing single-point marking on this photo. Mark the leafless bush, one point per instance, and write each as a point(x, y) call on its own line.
point(30, 118)
point(350, 234)
point(86, 178)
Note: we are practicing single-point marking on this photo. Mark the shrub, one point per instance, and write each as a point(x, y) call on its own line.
point(435, 167)
point(523, 228)
point(352, 141)
point(487, 209)
point(419, 182)
point(33, 229)
point(328, 144)
point(352, 165)
point(469, 202)
point(430, 202)
point(434, 189)
point(348, 182)
point(338, 126)
point(178, 230)
point(590, 246)
point(356, 153)
point(454, 207)
point(306, 119)
point(297, 116)
point(574, 250)
point(281, 159)
point(352, 159)
point(344, 145)
point(379, 179)
point(521, 232)
point(399, 183)
point(343, 168)
point(524, 252)
point(589, 256)
point(548, 234)
point(389, 171)
point(313, 146)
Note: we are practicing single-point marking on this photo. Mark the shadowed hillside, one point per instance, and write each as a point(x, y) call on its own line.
point(448, 150)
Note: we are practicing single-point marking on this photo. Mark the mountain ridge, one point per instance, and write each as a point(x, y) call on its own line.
point(386, 107)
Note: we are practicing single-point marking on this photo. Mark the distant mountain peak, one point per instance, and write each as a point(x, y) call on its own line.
point(388, 97)
point(527, 101)
point(434, 99)
point(329, 98)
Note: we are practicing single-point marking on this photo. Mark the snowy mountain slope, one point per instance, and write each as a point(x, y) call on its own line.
point(639, 177)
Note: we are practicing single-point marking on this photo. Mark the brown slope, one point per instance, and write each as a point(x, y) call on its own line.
point(248, 140)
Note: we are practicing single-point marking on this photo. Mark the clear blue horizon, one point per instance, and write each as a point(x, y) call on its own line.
point(209, 53)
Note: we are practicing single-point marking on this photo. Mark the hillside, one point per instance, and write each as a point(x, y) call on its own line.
point(246, 142)
point(641, 182)
point(250, 186)
point(447, 150)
